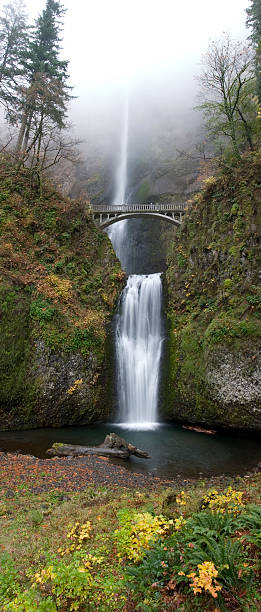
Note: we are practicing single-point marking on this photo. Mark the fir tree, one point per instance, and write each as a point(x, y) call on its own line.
point(46, 95)
point(13, 42)
point(254, 22)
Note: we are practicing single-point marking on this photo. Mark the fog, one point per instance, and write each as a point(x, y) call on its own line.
point(152, 49)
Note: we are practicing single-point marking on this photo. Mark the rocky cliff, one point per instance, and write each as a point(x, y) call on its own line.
point(59, 285)
point(214, 301)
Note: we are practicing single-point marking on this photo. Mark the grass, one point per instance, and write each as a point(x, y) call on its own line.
point(74, 551)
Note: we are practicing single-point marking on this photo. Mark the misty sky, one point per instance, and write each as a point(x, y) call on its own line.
point(153, 45)
point(110, 40)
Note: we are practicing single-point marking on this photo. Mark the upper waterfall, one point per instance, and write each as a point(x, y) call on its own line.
point(121, 174)
point(117, 234)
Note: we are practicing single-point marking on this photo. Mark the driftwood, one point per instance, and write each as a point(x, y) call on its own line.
point(113, 446)
point(199, 429)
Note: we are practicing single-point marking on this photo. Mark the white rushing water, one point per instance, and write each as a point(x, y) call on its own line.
point(118, 232)
point(138, 349)
point(121, 174)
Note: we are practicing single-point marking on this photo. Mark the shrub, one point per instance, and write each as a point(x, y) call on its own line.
point(30, 601)
point(71, 583)
point(42, 310)
point(228, 284)
point(138, 532)
point(77, 536)
point(8, 579)
point(200, 558)
point(61, 286)
point(206, 579)
point(230, 501)
point(255, 298)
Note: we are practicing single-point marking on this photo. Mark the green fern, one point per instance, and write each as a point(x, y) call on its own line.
point(211, 523)
point(251, 520)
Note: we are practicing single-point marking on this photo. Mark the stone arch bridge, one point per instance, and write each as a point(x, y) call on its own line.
point(108, 214)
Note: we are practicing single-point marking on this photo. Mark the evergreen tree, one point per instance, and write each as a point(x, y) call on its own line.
point(13, 42)
point(254, 22)
point(46, 95)
point(45, 45)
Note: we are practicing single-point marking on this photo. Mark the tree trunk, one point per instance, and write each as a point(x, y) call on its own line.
point(230, 116)
point(28, 126)
point(113, 446)
point(234, 140)
point(73, 450)
point(247, 129)
point(20, 138)
point(40, 134)
point(4, 62)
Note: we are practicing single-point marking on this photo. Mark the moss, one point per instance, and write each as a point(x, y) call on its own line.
point(87, 341)
point(17, 383)
point(173, 369)
point(186, 364)
point(190, 357)
point(181, 261)
point(205, 409)
point(225, 329)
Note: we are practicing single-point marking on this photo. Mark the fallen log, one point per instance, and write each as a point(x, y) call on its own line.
point(113, 446)
point(58, 449)
point(199, 429)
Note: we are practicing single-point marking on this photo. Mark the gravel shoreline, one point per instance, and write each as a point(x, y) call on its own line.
point(20, 473)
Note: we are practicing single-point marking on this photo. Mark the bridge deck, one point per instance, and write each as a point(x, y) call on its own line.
point(129, 208)
point(108, 214)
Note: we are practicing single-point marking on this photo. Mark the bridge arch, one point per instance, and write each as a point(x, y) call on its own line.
point(106, 215)
point(124, 216)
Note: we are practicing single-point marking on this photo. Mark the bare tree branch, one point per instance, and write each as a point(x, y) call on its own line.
point(225, 90)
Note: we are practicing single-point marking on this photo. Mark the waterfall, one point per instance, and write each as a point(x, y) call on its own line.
point(138, 333)
point(121, 174)
point(138, 349)
point(117, 233)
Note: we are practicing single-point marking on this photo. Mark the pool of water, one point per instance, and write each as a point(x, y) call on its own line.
point(174, 450)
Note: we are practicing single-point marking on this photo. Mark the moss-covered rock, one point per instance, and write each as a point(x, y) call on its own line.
point(59, 285)
point(214, 301)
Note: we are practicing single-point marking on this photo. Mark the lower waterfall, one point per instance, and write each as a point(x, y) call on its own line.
point(138, 348)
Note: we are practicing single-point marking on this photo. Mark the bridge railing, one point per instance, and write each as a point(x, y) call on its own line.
point(118, 208)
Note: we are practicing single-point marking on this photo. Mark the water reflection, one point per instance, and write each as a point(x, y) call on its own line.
point(173, 450)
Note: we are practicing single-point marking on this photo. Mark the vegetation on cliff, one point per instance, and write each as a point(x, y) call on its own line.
point(60, 281)
point(214, 300)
